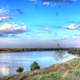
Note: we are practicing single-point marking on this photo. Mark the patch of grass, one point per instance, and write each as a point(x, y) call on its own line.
point(68, 77)
point(72, 69)
point(56, 76)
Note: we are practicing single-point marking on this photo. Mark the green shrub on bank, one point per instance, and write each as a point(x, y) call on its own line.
point(34, 66)
point(20, 69)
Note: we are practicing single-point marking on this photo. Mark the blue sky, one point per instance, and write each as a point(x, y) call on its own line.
point(38, 20)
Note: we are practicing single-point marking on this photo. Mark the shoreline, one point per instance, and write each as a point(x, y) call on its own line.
point(35, 49)
point(62, 67)
point(70, 50)
point(6, 50)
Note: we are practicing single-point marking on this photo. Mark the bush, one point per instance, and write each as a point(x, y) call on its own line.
point(34, 78)
point(56, 76)
point(34, 66)
point(20, 69)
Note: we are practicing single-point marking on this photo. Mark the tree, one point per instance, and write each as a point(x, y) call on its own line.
point(34, 66)
point(20, 69)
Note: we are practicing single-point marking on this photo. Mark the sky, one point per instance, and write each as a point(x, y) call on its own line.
point(38, 23)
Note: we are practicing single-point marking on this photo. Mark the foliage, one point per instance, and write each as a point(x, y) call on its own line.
point(20, 69)
point(34, 78)
point(68, 77)
point(34, 66)
point(56, 76)
point(72, 67)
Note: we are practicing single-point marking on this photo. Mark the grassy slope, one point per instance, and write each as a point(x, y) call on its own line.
point(67, 71)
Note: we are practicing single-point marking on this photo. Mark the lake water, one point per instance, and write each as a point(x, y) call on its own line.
point(9, 62)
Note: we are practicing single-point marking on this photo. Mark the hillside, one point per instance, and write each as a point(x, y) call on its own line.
point(67, 71)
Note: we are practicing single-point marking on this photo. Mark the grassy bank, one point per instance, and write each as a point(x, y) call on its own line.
point(67, 71)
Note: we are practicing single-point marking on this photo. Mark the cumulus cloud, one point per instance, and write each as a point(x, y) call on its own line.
point(32, 0)
point(10, 29)
point(72, 27)
point(59, 1)
point(4, 11)
point(4, 17)
point(4, 14)
point(46, 3)
point(77, 34)
point(45, 28)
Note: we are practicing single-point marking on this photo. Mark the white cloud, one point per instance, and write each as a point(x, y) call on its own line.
point(46, 28)
point(4, 14)
point(33, 0)
point(78, 34)
point(5, 17)
point(59, 1)
point(8, 28)
point(72, 27)
point(46, 3)
point(4, 11)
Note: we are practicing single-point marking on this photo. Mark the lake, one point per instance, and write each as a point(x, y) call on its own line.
point(9, 62)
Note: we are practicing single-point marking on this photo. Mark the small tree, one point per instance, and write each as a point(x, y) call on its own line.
point(34, 66)
point(20, 69)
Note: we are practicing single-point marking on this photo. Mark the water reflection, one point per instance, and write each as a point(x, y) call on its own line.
point(4, 70)
point(9, 62)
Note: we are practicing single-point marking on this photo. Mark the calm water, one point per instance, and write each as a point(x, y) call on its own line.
point(9, 62)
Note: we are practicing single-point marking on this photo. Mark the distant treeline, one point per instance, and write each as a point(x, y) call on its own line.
point(70, 50)
point(29, 49)
point(74, 51)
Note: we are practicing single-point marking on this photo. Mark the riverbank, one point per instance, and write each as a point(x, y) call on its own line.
point(36, 49)
point(69, 70)
point(75, 51)
point(29, 49)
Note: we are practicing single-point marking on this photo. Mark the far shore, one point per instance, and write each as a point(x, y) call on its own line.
point(70, 50)
point(30, 49)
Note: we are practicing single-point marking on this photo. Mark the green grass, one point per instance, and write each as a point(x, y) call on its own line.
point(73, 72)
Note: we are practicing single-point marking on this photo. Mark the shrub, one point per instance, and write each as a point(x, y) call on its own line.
point(56, 76)
point(34, 78)
point(44, 77)
point(20, 69)
point(34, 66)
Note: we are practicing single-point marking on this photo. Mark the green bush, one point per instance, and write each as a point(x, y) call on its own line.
point(20, 69)
point(44, 77)
point(69, 77)
point(34, 78)
point(34, 66)
point(56, 76)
